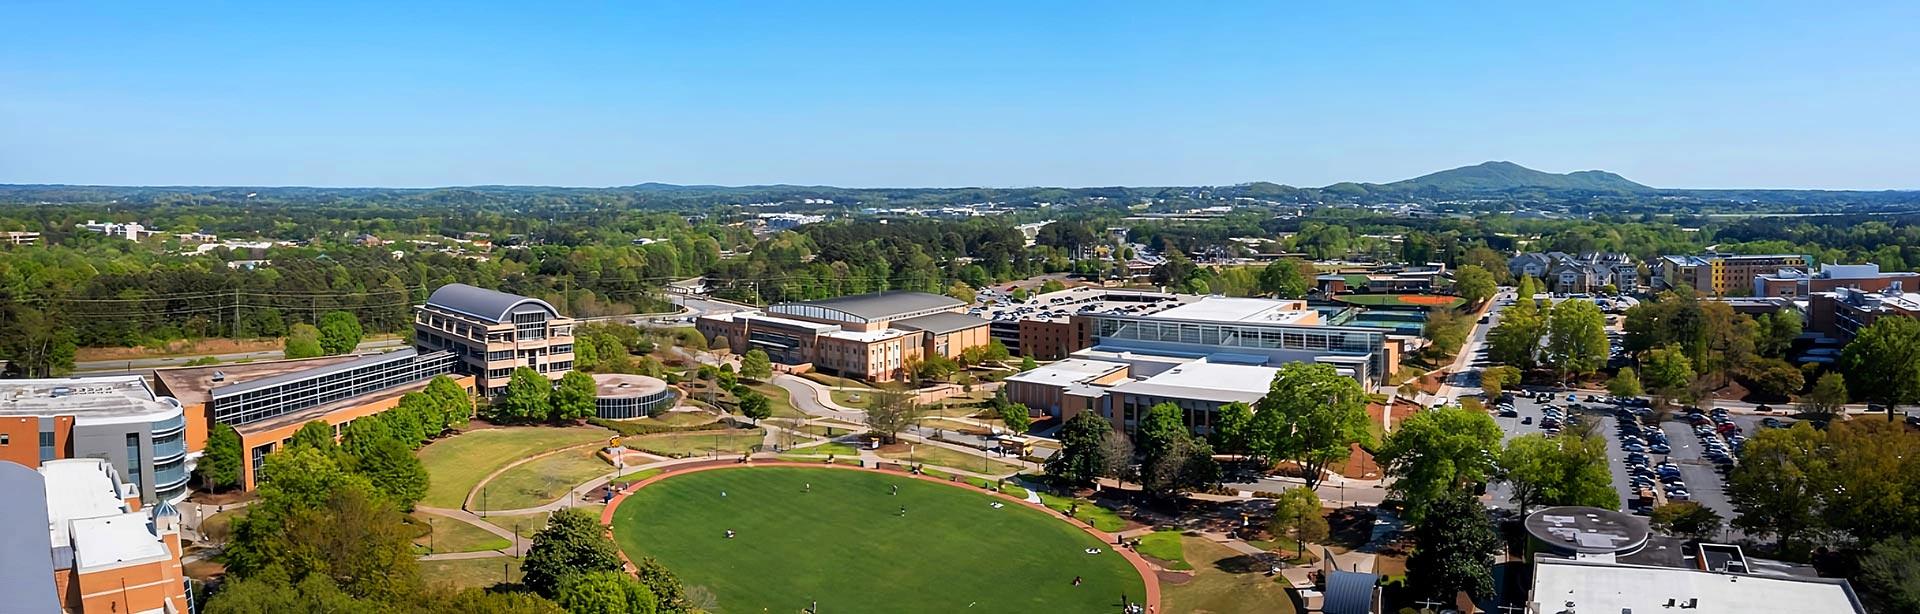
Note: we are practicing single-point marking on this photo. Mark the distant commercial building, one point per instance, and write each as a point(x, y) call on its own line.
point(266, 402)
point(1718, 274)
point(1583, 273)
point(1841, 314)
point(869, 336)
point(131, 231)
point(118, 420)
point(492, 333)
point(619, 396)
point(75, 538)
point(16, 237)
point(1798, 283)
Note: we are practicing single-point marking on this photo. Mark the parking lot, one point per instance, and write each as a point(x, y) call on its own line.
point(996, 305)
point(1687, 451)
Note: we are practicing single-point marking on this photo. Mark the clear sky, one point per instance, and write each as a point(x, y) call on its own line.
point(1671, 94)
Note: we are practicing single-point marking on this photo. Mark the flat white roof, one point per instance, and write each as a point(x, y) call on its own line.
point(1070, 371)
point(79, 491)
point(1603, 587)
point(1206, 380)
point(120, 539)
point(1225, 309)
point(868, 336)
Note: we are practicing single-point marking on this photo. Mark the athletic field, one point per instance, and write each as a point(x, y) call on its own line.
point(846, 545)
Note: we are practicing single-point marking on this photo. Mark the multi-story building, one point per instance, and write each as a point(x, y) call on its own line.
point(493, 332)
point(1720, 274)
point(1798, 283)
point(1578, 273)
point(1064, 389)
point(16, 237)
point(75, 538)
point(868, 336)
point(267, 402)
point(115, 419)
point(1841, 314)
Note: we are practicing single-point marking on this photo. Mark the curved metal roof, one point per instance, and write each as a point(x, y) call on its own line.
point(490, 305)
point(891, 305)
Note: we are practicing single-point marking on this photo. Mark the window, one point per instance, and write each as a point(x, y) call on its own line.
point(46, 445)
point(5, 439)
point(133, 459)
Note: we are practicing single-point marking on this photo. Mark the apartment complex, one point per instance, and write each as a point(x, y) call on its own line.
point(1719, 274)
point(75, 538)
point(118, 420)
point(868, 336)
point(1578, 273)
point(267, 402)
point(491, 333)
point(1798, 283)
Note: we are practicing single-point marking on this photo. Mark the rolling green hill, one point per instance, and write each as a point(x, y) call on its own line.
point(1497, 176)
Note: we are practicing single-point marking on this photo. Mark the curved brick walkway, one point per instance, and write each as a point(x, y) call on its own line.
point(1139, 564)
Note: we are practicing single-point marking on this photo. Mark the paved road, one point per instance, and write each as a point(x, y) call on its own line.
point(1465, 380)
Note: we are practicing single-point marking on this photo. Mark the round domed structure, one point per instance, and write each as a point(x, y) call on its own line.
point(1575, 530)
point(619, 396)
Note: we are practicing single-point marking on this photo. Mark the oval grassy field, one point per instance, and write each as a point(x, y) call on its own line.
point(846, 545)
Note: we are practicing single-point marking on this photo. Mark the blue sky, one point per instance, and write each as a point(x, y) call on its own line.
point(1748, 94)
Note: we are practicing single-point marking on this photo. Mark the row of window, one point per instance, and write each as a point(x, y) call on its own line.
point(255, 405)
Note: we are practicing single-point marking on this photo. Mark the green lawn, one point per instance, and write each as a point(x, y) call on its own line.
point(458, 463)
point(698, 443)
point(1165, 546)
point(1224, 583)
point(636, 476)
point(779, 400)
point(846, 545)
point(936, 455)
point(541, 481)
point(471, 573)
point(676, 418)
point(831, 447)
point(451, 535)
point(1101, 518)
point(857, 399)
point(528, 524)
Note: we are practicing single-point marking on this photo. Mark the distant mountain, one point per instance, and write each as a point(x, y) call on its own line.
point(1501, 176)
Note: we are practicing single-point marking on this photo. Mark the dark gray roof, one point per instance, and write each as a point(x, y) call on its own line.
point(881, 305)
point(26, 556)
point(268, 382)
point(1349, 592)
point(942, 323)
point(489, 305)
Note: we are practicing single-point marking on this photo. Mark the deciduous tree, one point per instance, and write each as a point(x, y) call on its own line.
point(1474, 283)
point(1777, 487)
point(1017, 417)
point(1576, 338)
point(1439, 451)
point(1311, 415)
point(1625, 383)
point(1828, 397)
point(527, 397)
point(572, 542)
point(1882, 363)
point(891, 412)
point(1688, 519)
point(1082, 456)
point(303, 341)
point(1453, 550)
point(1297, 513)
point(1558, 470)
point(340, 333)
point(756, 365)
point(604, 592)
point(220, 463)
point(316, 434)
point(1286, 278)
point(574, 398)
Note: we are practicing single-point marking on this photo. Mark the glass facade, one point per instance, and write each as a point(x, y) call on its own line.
point(46, 446)
point(133, 460)
point(1211, 337)
point(621, 408)
point(322, 386)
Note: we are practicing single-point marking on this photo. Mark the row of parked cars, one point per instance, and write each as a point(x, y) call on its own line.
point(1643, 475)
